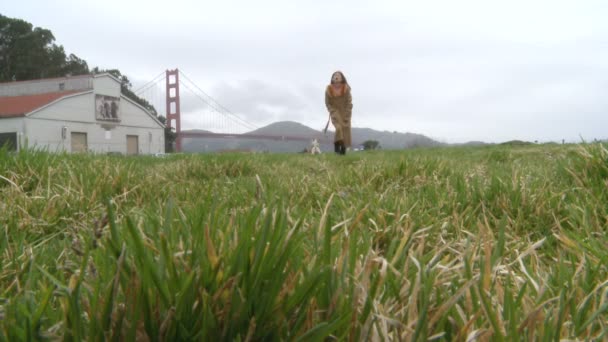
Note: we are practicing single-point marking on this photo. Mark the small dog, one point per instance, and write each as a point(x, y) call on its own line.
point(314, 149)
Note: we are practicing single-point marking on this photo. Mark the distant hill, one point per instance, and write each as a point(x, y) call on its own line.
point(392, 140)
point(287, 128)
point(196, 131)
point(516, 143)
point(473, 143)
point(387, 140)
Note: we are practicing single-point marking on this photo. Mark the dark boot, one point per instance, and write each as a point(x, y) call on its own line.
point(342, 149)
point(337, 147)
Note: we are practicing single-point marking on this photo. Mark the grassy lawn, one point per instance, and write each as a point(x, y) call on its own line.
point(493, 243)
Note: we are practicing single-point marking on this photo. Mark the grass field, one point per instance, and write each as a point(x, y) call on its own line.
point(487, 243)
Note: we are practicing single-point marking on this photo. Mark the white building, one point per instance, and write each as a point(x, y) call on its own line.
point(77, 114)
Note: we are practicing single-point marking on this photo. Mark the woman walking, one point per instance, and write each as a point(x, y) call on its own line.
point(339, 103)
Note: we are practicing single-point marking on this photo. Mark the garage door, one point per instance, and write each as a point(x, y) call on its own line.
point(132, 144)
point(8, 140)
point(79, 142)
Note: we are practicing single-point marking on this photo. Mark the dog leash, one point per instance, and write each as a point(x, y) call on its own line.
point(327, 125)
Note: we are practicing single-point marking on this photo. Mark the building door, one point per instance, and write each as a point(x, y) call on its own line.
point(79, 142)
point(132, 144)
point(8, 140)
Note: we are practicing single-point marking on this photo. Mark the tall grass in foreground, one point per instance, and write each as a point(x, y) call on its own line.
point(437, 244)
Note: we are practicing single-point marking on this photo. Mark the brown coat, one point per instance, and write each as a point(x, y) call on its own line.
point(340, 110)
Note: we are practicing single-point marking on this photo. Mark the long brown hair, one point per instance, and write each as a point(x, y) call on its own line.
point(344, 81)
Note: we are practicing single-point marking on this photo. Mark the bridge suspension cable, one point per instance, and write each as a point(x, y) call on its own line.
point(216, 105)
point(153, 82)
point(212, 120)
point(218, 110)
point(212, 116)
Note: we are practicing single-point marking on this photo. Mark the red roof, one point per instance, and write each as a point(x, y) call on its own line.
point(12, 106)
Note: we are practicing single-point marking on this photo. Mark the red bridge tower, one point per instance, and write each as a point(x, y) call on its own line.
point(173, 111)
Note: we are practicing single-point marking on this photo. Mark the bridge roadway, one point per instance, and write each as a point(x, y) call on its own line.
point(320, 138)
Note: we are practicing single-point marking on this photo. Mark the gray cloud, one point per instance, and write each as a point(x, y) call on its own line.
point(466, 70)
point(261, 101)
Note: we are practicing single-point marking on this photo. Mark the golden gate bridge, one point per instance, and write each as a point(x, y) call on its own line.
point(207, 117)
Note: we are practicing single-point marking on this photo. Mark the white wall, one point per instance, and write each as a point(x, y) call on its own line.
point(106, 85)
point(77, 113)
point(79, 108)
point(43, 127)
point(46, 134)
point(103, 84)
point(133, 115)
point(150, 140)
point(45, 86)
point(43, 133)
point(10, 125)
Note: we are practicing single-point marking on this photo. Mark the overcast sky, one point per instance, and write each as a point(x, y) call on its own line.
point(453, 70)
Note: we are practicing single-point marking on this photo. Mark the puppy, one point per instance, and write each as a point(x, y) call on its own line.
point(315, 147)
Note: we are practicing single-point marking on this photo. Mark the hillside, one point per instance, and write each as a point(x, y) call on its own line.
point(290, 128)
point(387, 140)
point(196, 131)
point(393, 140)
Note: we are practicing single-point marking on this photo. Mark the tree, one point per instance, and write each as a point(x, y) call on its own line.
point(28, 53)
point(170, 136)
point(76, 66)
point(371, 145)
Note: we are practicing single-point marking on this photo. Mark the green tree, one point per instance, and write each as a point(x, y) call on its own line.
point(371, 145)
point(170, 136)
point(76, 66)
point(30, 53)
